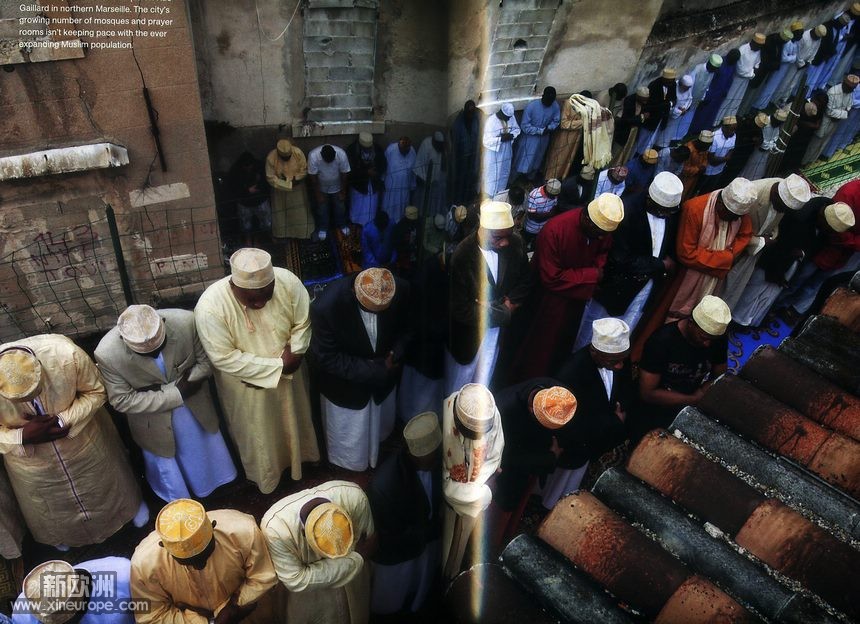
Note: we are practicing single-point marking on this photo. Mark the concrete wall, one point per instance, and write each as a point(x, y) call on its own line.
point(685, 35)
point(58, 271)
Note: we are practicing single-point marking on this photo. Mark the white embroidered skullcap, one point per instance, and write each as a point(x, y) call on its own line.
point(712, 315)
point(48, 588)
point(666, 189)
point(496, 215)
point(643, 92)
point(508, 109)
point(475, 408)
point(794, 191)
point(739, 196)
point(251, 268)
point(141, 328)
point(839, 217)
point(423, 434)
point(610, 335)
point(375, 288)
point(687, 80)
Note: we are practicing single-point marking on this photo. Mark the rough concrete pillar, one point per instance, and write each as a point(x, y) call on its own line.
point(557, 585)
point(797, 386)
point(832, 456)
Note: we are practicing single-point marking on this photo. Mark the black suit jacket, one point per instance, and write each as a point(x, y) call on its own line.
point(630, 264)
point(659, 104)
point(401, 510)
point(595, 428)
point(471, 280)
point(350, 371)
point(358, 175)
point(627, 121)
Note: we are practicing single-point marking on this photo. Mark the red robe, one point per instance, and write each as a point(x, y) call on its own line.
point(565, 264)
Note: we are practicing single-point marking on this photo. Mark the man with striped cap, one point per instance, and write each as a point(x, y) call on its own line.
point(361, 331)
point(199, 567)
point(320, 540)
point(472, 446)
point(255, 328)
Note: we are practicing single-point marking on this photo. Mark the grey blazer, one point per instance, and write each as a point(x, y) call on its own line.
point(126, 374)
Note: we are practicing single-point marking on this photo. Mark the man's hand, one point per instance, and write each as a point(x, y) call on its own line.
point(291, 361)
point(599, 274)
point(43, 429)
point(507, 136)
point(510, 305)
point(620, 413)
point(555, 449)
point(342, 194)
point(668, 265)
point(320, 198)
point(232, 613)
point(187, 388)
point(392, 366)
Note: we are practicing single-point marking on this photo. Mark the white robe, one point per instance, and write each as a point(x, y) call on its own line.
point(399, 181)
point(497, 153)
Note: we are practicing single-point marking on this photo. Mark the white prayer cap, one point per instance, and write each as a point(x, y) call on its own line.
point(141, 328)
point(780, 114)
point(606, 211)
point(762, 119)
point(375, 288)
point(496, 215)
point(475, 408)
point(739, 196)
point(706, 136)
point(643, 92)
point(423, 434)
point(438, 137)
point(251, 268)
point(553, 186)
point(666, 189)
point(712, 315)
point(587, 172)
point(715, 60)
point(794, 191)
point(365, 139)
point(439, 221)
point(821, 30)
point(59, 580)
point(839, 217)
point(610, 335)
point(687, 80)
point(508, 109)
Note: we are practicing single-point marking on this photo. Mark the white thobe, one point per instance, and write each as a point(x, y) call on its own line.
point(497, 153)
point(399, 181)
point(744, 71)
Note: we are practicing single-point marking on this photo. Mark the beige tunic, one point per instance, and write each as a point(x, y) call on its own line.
point(268, 414)
point(80, 489)
point(321, 591)
point(291, 211)
point(564, 143)
point(11, 522)
point(239, 567)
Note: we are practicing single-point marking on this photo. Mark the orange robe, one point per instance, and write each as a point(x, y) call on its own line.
point(693, 168)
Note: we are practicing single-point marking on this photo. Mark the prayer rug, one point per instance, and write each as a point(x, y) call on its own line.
point(842, 167)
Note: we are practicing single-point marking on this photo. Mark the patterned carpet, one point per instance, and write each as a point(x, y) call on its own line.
point(843, 167)
point(744, 340)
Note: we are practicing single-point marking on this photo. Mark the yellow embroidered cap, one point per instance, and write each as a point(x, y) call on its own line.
point(184, 528)
point(328, 530)
point(20, 374)
point(48, 587)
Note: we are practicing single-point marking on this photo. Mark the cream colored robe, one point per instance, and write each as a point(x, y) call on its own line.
point(11, 522)
point(467, 465)
point(239, 566)
point(321, 591)
point(80, 489)
point(765, 222)
point(268, 414)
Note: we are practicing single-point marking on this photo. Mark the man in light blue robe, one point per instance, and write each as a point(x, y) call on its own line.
point(539, 119)
point(399, 178)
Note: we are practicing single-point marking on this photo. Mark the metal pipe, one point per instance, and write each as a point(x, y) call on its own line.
point(708, 556)
point(120, 259)
point(767, 528)
point(557, 585)
point(797, 386)
point(792, 485)
point(830, 349)
point(754, 414)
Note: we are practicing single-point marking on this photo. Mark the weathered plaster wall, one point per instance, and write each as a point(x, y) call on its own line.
point(685, 34)
point(57, 266)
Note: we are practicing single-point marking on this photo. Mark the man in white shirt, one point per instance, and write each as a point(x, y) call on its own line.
point(744, 72)
point(719, 154)
point(807, 48)
point(327, 167)
point(611, 180)
point(840, 100)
